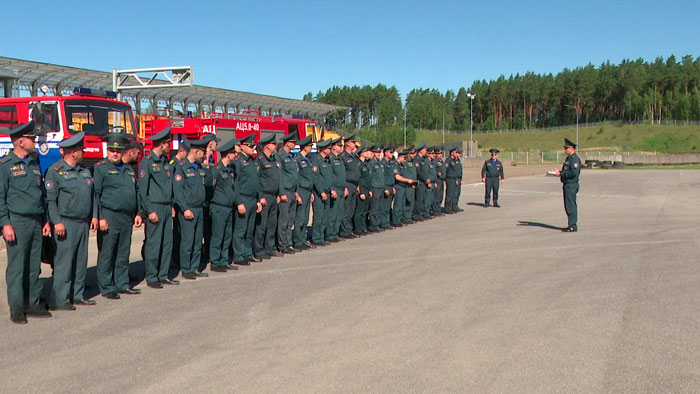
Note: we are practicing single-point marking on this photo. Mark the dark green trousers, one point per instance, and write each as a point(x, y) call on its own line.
point(301, 217)
point(419, 209)
point(320, 222)
point(492, 184)
point(243, 229)
point(375, 208)
point(266, 227)
point(221, 234)
point(285, 221)
point(386, 208)
point(399, 205)
point(159, 244)
point(360, 216)
point(114, 247)
point(24, 264)
point(191, 237)
point(451, 186)
point(428, 200)
point(410, 204)
point(439, 192)
point(336, 210)
point(570, 190)
point(349, 207)
point(70, 262)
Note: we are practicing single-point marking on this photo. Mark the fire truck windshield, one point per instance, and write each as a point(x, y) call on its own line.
point(98, 117)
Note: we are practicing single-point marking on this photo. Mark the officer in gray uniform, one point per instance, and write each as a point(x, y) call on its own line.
point(221, 209)
point(352, 179)
point(569, 175)
point(363, 194)
point(289, 179)
point(250, 202)
point(156, 192)
point(323, 182)
point(266, 221)
point(73, 213)
point(118, 206)
point(304, 192)
point(453, 181)
point(23, 219)
point(190, 196)
point(339, 191)
point(491, 174)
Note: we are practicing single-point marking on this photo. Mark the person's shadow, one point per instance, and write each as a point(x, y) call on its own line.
point(536, 224)
point(477, 204)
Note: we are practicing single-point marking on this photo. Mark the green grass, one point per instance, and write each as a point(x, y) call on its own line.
point(609, 137)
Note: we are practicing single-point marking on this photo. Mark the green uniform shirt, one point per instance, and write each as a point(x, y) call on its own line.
point(339, 176)
point(247, 182)
point(289, 172)
point(352, 167)
point(155, 182)
point(323, 174)
point(432, 170)
point(571, 169)
point(440, 167)
point(69, 192)
point(115, 187)
point(189, 185)
point(269, 172)
point(22, 187)
point(410, 171)
point(453, 168)
point(306, 177)
point(377, 174)
point(222, 183)
point(421, 168)
point(492, 169)
point(390, 171)
point(365, 182)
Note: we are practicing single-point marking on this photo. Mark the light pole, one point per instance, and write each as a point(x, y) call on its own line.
point(575, 109)
point(404, 124)
point(471, 124)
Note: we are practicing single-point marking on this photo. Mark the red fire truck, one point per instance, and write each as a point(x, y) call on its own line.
point(97, 113)
point(225, 126)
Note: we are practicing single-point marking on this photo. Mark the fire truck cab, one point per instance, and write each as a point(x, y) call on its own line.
point(96, 113)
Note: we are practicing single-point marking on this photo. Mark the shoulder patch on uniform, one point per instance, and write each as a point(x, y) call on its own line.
point(314, 168)
point(5, 159)
point(576, 165)
point(142, 173)
point(49, 184)
point(57, 166)
point(101, 162)
point(178, 177)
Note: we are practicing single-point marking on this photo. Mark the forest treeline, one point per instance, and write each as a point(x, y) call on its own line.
point(634, 90)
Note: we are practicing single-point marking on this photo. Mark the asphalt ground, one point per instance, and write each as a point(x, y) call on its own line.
point(487, 300)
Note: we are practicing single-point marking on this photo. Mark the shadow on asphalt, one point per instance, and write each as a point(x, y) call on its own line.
point(536, 224)
point(477, 204)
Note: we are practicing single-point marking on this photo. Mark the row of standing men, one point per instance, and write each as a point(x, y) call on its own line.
point(239, 210)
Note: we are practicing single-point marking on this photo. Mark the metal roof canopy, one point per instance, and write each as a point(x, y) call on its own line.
point(23, 74)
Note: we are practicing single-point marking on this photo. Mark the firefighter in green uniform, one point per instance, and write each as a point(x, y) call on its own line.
point(363, 191)
point(323, 182)
point(189, 192)
point(247, 185)
point(304, 195)
point(390, 170)
point(73, 213)
point(176, 161)
point(432, 175)
point(440, 179)
point(569, 175)
point(339, 192)
point(289, 179)
point(424, 183)
point(23, 219)
point(402, 183)
point(352, 179)
point(491, 175)
point(266, 221)
point(453, 181)
point(118, 205)
point(208, 163)
point(378, 190)
point(410, 173)
point(221, 208)
point(156, 192)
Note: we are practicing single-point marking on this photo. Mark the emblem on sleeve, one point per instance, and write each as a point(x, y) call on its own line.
point(142, 173)
point(49, 185)
point(575, 165)
point(178, 177)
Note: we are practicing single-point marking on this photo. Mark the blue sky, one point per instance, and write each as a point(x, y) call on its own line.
point(287, 48)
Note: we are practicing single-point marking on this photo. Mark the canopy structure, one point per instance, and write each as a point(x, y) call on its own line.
point(19, 75)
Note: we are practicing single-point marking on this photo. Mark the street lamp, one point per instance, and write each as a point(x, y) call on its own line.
point(404, 124)
point(575, 109)
point(471, 124)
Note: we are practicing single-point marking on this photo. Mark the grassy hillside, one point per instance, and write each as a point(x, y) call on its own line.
point(612, 137)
